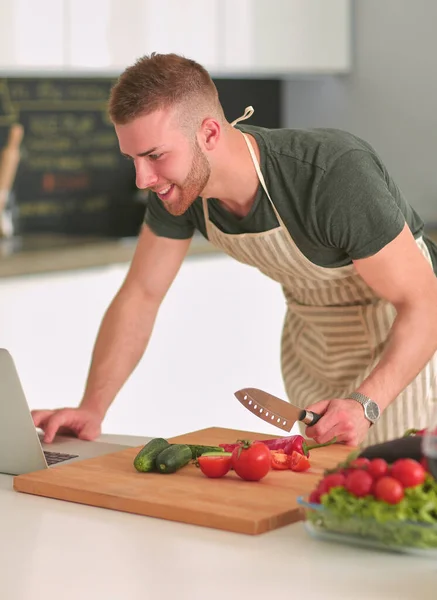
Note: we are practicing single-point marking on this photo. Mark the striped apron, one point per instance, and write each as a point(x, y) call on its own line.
point(335, 327)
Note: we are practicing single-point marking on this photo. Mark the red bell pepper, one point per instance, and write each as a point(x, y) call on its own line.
point(297, 443)
point(289, 444)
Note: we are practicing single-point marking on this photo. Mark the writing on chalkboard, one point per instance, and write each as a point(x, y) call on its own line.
point(71, 177)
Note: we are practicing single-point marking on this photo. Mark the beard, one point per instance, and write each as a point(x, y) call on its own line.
point(194, 184)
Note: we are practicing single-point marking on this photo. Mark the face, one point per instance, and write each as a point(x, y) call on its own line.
point(166, 160)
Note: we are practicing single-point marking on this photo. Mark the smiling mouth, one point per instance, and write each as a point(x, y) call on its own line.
point(163, 193)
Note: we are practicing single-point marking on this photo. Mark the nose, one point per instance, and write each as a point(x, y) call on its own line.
point(145, 175)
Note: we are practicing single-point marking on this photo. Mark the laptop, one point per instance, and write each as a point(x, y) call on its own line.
point(21, 447)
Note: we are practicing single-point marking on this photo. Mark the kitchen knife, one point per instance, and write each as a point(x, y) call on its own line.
point(274, 410)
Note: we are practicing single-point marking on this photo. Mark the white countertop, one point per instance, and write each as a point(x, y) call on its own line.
point(55, 549)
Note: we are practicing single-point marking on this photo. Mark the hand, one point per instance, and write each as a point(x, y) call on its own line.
point(83, 423)
point(343, 419)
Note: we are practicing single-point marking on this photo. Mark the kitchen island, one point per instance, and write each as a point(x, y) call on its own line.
point(52, 253)
point(38, 254)
point(56, 549)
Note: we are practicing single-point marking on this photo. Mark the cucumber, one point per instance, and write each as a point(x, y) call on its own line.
point(173, 458)
point(199, 450)
point(145, 459)
point(217, 454)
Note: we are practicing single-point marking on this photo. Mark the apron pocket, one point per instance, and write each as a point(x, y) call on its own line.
point(332, 342)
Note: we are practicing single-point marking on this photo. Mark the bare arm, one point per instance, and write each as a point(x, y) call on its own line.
point(400, 274)
point(128, 323)
point(123, 335)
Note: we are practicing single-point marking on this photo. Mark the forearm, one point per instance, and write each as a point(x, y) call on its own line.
point(122, 339)
point(412, 343)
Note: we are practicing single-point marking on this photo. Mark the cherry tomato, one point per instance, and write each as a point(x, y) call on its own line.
point(389, 490)
point(251, 460)
point(280, 460)
point(215, 466)
point(299, 462)
point(330, 481)
point(408, 472)
point(377, 468)
point(314, 497)
point(359, 483)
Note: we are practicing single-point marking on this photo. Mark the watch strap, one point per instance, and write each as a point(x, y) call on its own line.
point(366, 403)
point(359, 397)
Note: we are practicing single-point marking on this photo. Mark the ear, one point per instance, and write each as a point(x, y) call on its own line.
point(209, 134)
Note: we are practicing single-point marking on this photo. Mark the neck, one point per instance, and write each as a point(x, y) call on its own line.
point(234, 181)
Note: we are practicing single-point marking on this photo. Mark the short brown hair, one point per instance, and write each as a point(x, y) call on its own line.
point(160, 81)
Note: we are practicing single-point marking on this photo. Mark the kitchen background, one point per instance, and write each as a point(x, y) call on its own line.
point(72, 211)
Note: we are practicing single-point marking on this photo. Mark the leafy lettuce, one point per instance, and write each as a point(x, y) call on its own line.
point(410, 523)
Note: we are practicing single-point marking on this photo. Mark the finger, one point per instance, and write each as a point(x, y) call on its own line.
point(39, 416)
point(330, 434)
point(342, 431)
point(320, 430)
point(53, 424)
point(321, 434)
point(319, 407)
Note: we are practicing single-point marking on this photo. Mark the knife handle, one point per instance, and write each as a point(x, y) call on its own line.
point(309, 418)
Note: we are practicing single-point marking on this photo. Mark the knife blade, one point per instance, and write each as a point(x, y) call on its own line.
point(273, 410)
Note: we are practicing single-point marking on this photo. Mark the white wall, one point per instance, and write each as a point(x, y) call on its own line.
point(390, 96)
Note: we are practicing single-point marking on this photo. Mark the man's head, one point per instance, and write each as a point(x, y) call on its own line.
point(167, 116)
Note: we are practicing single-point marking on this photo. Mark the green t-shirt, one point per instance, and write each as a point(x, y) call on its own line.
point(330, 188)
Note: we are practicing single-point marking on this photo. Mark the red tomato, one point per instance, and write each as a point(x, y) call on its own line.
point(251, 460)
point(215, 466)
point(330, 481)
point(299, 462)
point(280, 460)
point(377, 468)
point(359, 483)
point(389, 490)
point(314, 497)
point(408, 472)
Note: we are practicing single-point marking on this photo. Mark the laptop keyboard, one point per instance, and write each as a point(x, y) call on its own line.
point(56, 457)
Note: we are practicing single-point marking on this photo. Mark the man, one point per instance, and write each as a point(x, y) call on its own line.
point(317, 211)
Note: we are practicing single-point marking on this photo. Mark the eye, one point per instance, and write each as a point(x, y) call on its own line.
point(155, 156)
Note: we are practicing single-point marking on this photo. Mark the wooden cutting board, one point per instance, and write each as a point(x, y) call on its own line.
point(228, 503)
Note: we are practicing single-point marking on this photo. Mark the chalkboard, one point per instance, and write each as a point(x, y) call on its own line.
point(71, 177)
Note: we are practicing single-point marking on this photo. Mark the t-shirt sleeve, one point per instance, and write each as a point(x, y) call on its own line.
point(163, 224)
point(355, 210)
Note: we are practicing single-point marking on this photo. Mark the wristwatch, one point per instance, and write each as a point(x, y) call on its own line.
point(371, 409)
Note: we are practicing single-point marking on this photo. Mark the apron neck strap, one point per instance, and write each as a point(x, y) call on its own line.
point(247, 113)
point(261, 177)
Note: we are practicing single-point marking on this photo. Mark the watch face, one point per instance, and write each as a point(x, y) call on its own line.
point(372, 411)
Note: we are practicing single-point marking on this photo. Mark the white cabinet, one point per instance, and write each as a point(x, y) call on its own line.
point(286, 36)
point(103, 34)
point(218, 330)
point(243, 37)
point(191, 28)
point(32, 34)
point(248, 37)
point(111, 34)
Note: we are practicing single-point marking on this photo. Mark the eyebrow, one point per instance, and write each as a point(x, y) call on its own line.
point(146, 153)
